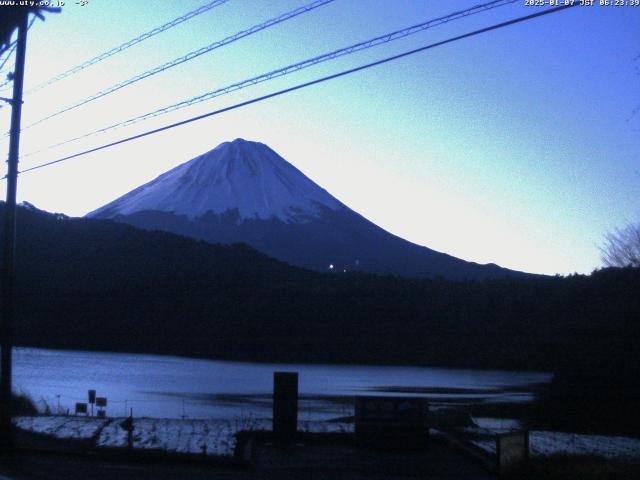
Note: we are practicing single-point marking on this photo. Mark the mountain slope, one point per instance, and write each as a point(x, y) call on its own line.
point(245, 192)
point(98, 285)
point(93, 284)
point(245, 176)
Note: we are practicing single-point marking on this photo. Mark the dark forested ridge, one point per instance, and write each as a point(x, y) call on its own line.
point(94, 284)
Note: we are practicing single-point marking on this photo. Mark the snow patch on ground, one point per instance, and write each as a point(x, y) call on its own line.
point(80, 428)
point(213, 437)
point(497, 424)
point(217, 437)
point(543, 443)
point(200, 436)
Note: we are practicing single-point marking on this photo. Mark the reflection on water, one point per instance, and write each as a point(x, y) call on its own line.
point(172, 387)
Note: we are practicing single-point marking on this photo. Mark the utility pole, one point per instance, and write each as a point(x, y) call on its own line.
point(8, 242)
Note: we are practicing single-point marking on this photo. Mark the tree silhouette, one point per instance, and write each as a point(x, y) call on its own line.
point(622, 247)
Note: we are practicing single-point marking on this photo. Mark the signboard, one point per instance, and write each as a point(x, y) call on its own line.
point(81, 408)
point(101, 401)
point(92, 396)
point(511, 449)
point(393, 422)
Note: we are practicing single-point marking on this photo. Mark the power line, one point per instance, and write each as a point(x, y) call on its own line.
point(8, 80)
point(5, 83)
point(130, 43)
point(189, 56)
point(10, 50)
point(306, 84)
point(398, 34)
point(12, 47)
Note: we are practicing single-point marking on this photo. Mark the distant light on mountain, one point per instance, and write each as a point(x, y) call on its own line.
point(243, 191)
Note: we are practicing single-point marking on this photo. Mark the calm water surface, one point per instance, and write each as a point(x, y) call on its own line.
point(172, 387)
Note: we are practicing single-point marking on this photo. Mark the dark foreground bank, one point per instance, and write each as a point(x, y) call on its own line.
point(335, 461)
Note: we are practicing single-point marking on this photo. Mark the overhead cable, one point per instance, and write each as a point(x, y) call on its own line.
point(398, 34)
point(189, 56)
point(304, 85)
point(130, 43)
point(8, 79)
point(10, 51)
point(14, 44)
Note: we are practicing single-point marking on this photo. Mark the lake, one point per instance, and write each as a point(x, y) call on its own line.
point(175, 387)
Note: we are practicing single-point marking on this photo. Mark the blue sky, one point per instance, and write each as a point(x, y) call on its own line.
point(516, 147)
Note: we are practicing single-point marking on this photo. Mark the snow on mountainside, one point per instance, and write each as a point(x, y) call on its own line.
point(242, 175)
point(245, 192)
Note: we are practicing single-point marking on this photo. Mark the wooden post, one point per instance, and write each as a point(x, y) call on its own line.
point(127, 425)
point(285, 406)
point(130, 431)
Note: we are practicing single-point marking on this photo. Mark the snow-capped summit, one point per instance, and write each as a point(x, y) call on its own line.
point(243, 191)
point(243, 175)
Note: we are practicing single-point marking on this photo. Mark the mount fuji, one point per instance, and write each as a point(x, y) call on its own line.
point(243, 191)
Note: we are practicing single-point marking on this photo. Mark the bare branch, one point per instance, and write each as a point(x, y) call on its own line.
point(622, 247)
